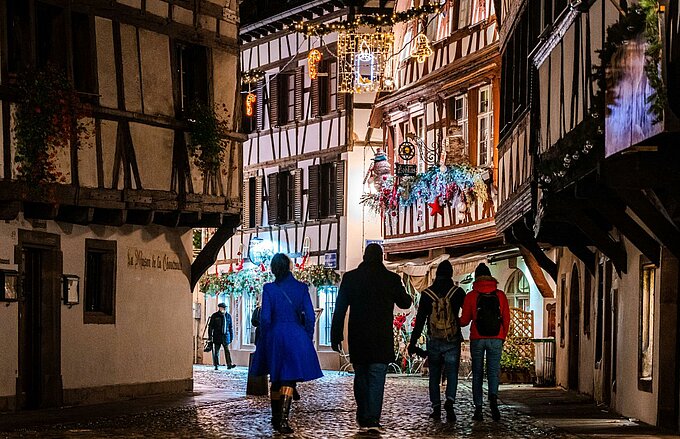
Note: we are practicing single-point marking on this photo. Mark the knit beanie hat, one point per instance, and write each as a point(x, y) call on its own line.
point(482, 270)
point(444, 270)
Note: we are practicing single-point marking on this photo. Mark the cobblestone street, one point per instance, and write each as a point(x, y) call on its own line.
point(218, 409)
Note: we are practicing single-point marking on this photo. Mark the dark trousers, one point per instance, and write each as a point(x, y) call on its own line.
point(369, 387)
point(216, 353)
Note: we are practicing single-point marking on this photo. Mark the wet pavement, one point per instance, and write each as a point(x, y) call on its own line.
point(219, 409)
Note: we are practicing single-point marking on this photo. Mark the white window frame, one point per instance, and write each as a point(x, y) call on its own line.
point(326, 317)
point(462, 121)
point(485, 139)
point(247, 313)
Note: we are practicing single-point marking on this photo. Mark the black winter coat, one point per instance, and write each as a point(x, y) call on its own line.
point(216, 328)
point(370, 291)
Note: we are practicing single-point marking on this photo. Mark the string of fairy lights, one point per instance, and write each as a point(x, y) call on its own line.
point(362, 56)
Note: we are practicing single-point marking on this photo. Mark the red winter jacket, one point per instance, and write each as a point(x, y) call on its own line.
point(484, 285)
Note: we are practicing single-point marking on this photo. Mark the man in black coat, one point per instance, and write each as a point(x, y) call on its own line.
point(221, 333)
point(371, 291)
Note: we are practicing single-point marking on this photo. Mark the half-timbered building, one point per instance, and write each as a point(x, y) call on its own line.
point(99, 190)
point(305, 158)
point(452, 93)
point(587, 164)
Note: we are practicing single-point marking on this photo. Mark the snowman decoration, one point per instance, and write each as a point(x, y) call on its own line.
point(378, 171)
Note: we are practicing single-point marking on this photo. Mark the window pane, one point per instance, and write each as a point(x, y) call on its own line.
point(327, 296)
point(248, 307)
point(647, 321)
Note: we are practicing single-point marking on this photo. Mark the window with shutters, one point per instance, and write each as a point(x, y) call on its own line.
point(326, 190)
point(252, 202)
point(100, 281)
point(286, 98)
point(485, 127)
point(192, 67)
point(285, 197)
point(325, 89)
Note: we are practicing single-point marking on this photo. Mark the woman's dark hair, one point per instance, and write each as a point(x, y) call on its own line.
point(280, 266)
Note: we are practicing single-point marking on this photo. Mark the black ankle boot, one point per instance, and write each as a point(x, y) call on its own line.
point(450, 414)
point(436, 412)
point(286, 401)
point(276, 409)
point(493, 402)
point(478, 414)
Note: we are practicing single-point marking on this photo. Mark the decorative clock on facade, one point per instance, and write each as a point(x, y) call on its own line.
point(407, 151)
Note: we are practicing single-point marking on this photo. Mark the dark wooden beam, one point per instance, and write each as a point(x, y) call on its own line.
point(526, 239)
point(628, 227)
point(585, 255)
point(537, 273)
point(110, 217)
point(208, 255)
point(75, 214)
point(44, 211)
point(140, 217)
point(600, 238)
point(168, 219)
point(665, 231)
point(9, 210)
point(190, 219)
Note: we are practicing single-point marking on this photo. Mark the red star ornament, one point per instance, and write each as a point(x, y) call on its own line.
point(435, 207)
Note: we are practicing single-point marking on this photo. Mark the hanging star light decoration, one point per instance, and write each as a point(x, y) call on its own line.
point(313, 60)
point(421, 48)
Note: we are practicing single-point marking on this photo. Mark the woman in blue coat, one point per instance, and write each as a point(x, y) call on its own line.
point(285, 350)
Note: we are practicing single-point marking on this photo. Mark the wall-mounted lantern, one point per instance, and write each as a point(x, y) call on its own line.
point(9, 282)
point(70, 289)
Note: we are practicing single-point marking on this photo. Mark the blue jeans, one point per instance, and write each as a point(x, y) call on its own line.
point(493, 348)
point(216, 354)
point(369, 387)
point(441, 353)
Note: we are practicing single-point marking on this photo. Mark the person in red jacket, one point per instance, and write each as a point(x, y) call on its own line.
point(487, 308)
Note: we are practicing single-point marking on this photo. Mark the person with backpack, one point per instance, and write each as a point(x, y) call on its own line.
point(487, 308)
point(439, 306)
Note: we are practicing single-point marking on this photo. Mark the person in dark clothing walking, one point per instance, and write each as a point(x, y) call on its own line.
point(370, 292)
point(221, 333)
point(440, 306)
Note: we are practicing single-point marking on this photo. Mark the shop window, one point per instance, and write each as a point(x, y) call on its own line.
point(587, 295)
point(192, 66)
point(646, 325)
point(327, 296)
point(563, 305)
point(100, 281)
point(485, 127)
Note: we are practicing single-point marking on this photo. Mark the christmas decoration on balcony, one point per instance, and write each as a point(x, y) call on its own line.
point(421, 49)
point(313, 59)
point(407, 151)
point(378, 171)
point(362, 61)
point(306, 245)
point(49, 116)
point(250, 100)
point(435, 207)
point(585, 143)
point(373, 20)
point(442, 185)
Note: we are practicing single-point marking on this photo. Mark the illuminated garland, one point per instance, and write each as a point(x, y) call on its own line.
point(313, 60)
point(374, 20)
point(250, 100)
point(252, 76)
point(250, 281)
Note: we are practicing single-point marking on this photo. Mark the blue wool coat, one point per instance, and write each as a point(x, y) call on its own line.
point(285, 349)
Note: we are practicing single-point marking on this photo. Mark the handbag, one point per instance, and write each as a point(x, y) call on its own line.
point(300, 313)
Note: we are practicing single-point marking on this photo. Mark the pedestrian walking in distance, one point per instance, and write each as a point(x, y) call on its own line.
point(370, 292)
point(221, 333)
point(284, 346)
point(440, 306)
point(487, 308)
